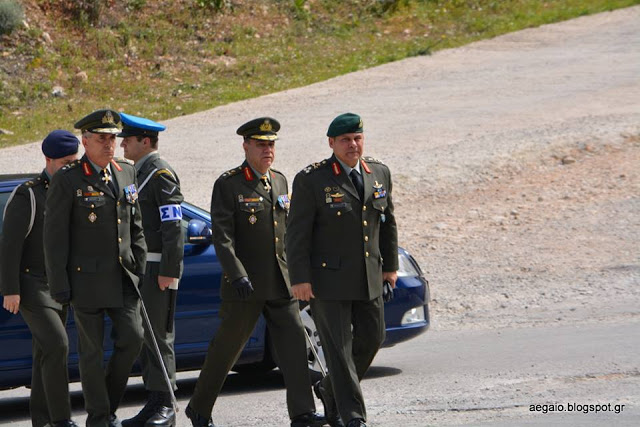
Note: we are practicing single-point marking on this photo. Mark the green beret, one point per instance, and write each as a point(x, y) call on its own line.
point(345, 123)
point(264, 128)
point(101, 121)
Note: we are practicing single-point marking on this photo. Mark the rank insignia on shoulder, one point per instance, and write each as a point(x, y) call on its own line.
point(131, 193)
point(372, 160)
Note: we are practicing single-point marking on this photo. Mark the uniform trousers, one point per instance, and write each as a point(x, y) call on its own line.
point(157, 302)
point(288, 342)
point(103, 390)
point(49, 400)
point(351, 332)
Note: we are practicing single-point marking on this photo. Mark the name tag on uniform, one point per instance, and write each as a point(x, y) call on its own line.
point(170, 213)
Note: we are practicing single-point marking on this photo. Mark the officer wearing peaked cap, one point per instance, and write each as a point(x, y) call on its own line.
point(342, 244)
point(23, 283)
point(249, 208)
point(95, 253)
point(160, 198)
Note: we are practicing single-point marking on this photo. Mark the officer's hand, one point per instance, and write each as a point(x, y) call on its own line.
point(391, 276)
point(387, 291)
point(302, 291)
point(243, 287)
point(11, 303)
point(62, 297)
point(164, 282)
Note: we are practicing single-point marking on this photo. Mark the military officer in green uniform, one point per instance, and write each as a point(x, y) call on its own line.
point(159, 198)
point(248, 213)
point(95, 253)
point(23, 283)
point(341, 246)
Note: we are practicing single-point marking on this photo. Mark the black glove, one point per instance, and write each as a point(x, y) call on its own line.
point(243, 287)
point(387, 291)
point(62, 297)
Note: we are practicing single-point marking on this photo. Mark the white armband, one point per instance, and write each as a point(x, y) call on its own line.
point(170, 213)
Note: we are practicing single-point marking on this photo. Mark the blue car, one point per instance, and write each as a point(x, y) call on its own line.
point(406, 315)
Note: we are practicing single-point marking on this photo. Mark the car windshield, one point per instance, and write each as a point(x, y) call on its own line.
point(199, 211)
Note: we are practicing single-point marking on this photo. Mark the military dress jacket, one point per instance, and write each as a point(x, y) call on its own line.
point(248, 225)
point(335, 241)
point(93, 237)
point(160, 199)
point(22, 269)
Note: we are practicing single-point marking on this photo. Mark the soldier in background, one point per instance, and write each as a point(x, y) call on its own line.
point(95, 253)
point(342, 245)
point(249, 206)
point(160, 198)
point(23, 283)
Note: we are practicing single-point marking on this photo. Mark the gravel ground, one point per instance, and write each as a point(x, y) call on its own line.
point(515, 166)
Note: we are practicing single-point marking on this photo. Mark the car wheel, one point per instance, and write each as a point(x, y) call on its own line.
point(316, 364)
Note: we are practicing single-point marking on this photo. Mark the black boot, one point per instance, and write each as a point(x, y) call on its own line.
point(145, 413)
point(164, 415)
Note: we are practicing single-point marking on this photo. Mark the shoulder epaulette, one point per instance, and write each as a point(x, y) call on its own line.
point(71, 165)
point(315, 166)
point(276, 171)
point(123, 160)
point(372, 160)
point(35, 181)
point(232, 172)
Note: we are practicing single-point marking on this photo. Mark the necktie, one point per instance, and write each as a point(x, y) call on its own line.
point(106, 177)
point(265, 183)
point(356, 178)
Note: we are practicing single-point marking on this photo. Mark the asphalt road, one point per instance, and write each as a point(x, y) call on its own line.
point(450, 378)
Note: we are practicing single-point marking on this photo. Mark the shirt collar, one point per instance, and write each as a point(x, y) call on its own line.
point(99, 169)
point(348, 169)
point(46, 172)
point(138, 165)
point(259, 175)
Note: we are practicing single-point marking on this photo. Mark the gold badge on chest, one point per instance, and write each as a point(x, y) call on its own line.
point(253, 219)
point(93, 217)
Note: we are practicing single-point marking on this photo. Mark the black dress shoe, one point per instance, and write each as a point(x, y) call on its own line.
point(163, 416)
point(65, 423)
point(198, 420)
point(114, 421)
point(145, 413)
point(310, 419)
point(356, 422)
point(330, 408)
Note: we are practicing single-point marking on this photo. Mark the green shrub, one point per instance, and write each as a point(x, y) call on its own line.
point(11, 15)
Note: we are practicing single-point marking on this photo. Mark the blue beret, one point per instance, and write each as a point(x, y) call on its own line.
point(60, 143)
point(345, 123)
point(139, 126)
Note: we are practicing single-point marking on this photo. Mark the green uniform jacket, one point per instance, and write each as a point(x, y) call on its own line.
point(159, 196)
point(22, 269)
point(248, 232)
point(334, 241)
point(91, 236)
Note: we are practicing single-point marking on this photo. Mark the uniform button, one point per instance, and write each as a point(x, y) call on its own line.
point(277, 240)
point(324, 264)
point(118, 204)
point(78, 269)
point(101, 193)
point(366, 238)
point(364, 208)
point(364, 223)
point(120, 258)
point(339, 213)
point(253, 210)
point(93, 206)
point(119, 220)
point(275, 223)
point(26, 270)
point(274, 208)
point(366, 254)
point(119, 239)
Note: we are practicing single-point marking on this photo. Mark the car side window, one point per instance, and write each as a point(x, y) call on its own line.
point(184, 223)
point(3, 201)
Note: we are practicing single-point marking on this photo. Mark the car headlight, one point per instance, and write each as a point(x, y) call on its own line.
point(415, 315)
point(406, 267)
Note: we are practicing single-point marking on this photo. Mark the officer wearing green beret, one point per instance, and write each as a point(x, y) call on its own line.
point(248, 214)
point(160, 198)
point(94, 253)
point(23, 283)
point(342, 244)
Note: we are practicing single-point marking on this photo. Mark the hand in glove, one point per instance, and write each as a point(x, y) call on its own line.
point(243, 287)
point(387, 291)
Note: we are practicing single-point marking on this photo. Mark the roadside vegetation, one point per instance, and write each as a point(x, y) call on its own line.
point(60, 59)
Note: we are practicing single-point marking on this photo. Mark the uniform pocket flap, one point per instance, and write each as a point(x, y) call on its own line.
point(331, 262)
point(379, 204)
